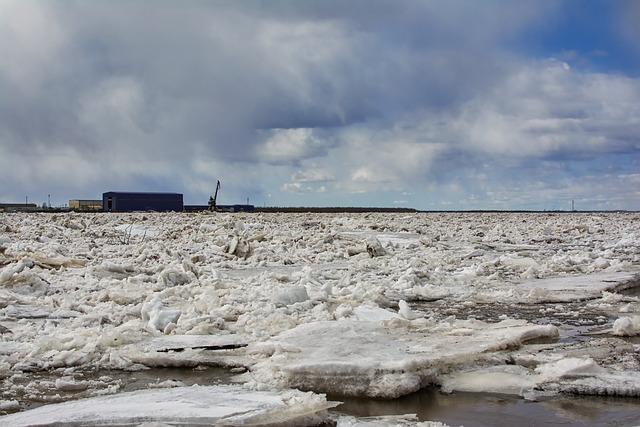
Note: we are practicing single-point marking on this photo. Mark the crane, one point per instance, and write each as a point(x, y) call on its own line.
point(215, 207)
point(212, 200)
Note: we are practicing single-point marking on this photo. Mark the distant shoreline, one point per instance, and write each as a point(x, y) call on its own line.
point(412, 210)
point(303, 209)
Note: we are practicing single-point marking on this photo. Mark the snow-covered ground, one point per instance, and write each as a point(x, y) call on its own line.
point(301, 305)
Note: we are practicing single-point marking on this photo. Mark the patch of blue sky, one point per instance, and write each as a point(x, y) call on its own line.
point(588, 35)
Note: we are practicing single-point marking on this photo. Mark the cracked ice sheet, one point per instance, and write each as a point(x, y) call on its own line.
point(137, 230)
point(386, 238)
point(383, 359)
point(561, 289)
point(602, 366)
point(226, 350)
point(199, 405)
point(571, 375)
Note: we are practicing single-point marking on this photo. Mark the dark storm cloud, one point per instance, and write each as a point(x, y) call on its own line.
point(212, 71)
point(221, 68)
point(375, 94)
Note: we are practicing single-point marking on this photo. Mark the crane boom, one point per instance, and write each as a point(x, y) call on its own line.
point(214, 199)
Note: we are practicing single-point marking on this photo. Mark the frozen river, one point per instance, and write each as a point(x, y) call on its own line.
point(320, 318)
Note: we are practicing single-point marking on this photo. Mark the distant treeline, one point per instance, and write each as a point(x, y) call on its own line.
point(332, 209)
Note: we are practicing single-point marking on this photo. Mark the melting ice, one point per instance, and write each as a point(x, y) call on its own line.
point(303, 305)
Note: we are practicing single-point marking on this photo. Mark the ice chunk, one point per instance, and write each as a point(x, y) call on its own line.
point(158, 316)
point(9, 405)
point(405, 311)
point(174, 277)
point(569, 367)
point(69, 384)
point(195, 405)
point(57, 262)
point(8, 272)
point(374, 247)
point(361, 358)
point(627, 326)
point(239, 247)
point(113, 267)
point(510, 379)
point(290, 295)
point(369, 312)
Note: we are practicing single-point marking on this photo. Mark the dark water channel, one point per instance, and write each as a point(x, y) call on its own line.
point(484, 409)
point(456, 409)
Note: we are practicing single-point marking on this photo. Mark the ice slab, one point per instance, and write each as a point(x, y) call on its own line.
point(572, 288)
point(386, 238)
point(195, 405)
point(137, 230)
point(387, 421)
point(582, 376)
point(207, 342)
point(225, 350)
point(605, 366)
point(388, 359)
point(23, 311)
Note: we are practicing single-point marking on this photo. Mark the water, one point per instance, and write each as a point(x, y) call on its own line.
point(485, 409)
point(429, 404)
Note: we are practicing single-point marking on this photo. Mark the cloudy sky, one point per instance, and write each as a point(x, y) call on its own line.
point(435, 105)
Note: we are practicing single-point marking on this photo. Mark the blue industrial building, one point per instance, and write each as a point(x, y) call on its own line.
point(116, 201)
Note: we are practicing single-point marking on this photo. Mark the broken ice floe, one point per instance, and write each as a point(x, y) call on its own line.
point(365, 358)
point(248, 309)
point(605, 366)
point(195, 405)
point(562, 289)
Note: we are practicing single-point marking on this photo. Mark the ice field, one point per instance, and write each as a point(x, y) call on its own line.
point(305, 308)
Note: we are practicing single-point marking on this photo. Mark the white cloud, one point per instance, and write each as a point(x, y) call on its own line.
point(369, 175)
point(290, 145)
point(298, 187)
point(308, 181)
point(544, 110)
point(313, 175)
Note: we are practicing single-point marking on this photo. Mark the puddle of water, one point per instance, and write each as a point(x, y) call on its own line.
point(632, 291)
point(483, 409)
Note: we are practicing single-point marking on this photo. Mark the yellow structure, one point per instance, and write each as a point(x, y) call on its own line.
point(85, 205)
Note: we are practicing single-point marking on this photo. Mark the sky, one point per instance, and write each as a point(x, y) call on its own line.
point(432, 105)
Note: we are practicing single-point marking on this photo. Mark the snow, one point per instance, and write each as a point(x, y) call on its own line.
point(302, 305)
